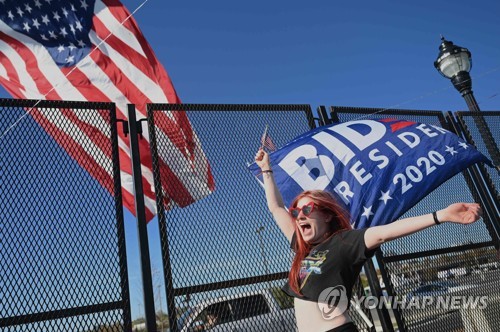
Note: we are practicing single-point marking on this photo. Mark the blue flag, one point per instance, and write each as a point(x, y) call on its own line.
point(377, 168)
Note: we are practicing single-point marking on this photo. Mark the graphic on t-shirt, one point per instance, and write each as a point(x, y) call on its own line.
point(311, 264)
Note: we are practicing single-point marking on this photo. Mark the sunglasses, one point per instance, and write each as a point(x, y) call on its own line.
point(306, 210)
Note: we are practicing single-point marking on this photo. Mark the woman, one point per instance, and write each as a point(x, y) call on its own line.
point(329, 254)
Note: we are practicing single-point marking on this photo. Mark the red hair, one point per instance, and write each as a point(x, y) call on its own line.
point(326, 203)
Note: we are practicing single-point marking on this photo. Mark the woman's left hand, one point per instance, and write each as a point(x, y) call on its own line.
point(461, 213)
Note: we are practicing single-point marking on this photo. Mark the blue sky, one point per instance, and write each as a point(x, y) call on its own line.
point(363, 54)
point(377, 54)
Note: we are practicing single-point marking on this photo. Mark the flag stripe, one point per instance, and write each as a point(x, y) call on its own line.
point(103, 40)
point(11, 80)
point(141, 81)
point(119, 31)
point(24, 80)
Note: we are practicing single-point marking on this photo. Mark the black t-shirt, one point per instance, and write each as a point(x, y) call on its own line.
point(335, 262)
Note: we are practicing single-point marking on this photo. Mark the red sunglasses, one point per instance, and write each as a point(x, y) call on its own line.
point(306, 210)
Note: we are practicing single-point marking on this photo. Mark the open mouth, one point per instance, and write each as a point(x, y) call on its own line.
point(305, 227)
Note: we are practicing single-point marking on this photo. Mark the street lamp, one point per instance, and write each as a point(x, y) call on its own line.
point(262, 251)
point(454, 62)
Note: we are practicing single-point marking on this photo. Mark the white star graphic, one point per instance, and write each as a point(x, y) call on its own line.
point(52, 34)
point(11, 16)
point(464, 145)
point(65, 12)
point(43, 37)
point(63, 32)
point(56, 16)
point(28, 8)
point(451, 150)
point(79, 26)
point(19, 11)
point(45, 19)
point(84, 4)
point(60, 48)
point(26, 27)
point(368, 212)
point(385, 196)
point(81, 43)
point(70, 59)
point(71, 46)
point(38, 4)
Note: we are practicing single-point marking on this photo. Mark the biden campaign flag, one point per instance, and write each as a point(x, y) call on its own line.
point(378, 168)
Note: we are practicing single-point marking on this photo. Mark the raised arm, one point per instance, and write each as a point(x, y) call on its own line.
point(273, 196)
point(461, 213)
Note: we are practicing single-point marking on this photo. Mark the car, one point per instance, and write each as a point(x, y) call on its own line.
point(252, 312)
point(437, 289)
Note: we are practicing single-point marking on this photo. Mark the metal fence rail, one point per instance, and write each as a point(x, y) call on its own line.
point(62, 246)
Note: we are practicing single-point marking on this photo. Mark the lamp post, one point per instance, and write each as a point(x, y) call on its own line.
point(454, 62)
point(263, 253)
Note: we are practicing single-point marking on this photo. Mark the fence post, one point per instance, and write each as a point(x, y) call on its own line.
point(122, 245)
point(147, 280)
point(170, 291)
point(383, 313)
point(323, 116)
point(390, 291)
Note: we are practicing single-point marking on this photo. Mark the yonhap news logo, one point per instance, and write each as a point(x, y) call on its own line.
point(333, 302)
point(427, 302)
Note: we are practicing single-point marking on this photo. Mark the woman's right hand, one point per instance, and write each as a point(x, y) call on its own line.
point(262, 160)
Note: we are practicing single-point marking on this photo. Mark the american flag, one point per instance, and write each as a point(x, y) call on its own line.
point(266, 141)
point(93, 50)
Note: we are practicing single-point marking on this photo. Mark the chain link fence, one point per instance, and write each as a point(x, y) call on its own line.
point(227, 257)
point(62, 246)
point(473, 134)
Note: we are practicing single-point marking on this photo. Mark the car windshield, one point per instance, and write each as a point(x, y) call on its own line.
point(430, 288)
point(184, 317)
point(448, 284)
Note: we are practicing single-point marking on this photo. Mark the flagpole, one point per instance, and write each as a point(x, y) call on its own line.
point(262, 140)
